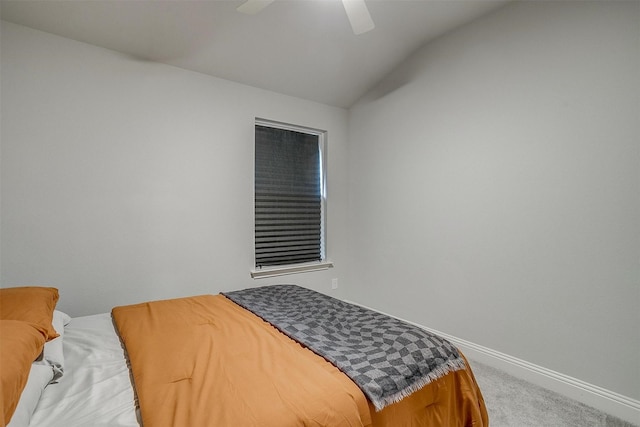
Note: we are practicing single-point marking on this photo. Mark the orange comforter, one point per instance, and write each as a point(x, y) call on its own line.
point(205, 361)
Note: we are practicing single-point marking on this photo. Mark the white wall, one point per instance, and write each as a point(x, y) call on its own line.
point(125, 181)
point(495, 188)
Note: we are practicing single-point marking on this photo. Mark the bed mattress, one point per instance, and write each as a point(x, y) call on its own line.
point(97, 387)
point(228, 367)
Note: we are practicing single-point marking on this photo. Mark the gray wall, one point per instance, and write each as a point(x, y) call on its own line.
point(495, 188)
point(124, 180)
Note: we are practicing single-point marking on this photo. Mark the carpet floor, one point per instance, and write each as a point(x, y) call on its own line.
point(512, 402)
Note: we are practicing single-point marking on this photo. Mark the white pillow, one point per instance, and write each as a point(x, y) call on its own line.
point(52, 354)
point(39, 377)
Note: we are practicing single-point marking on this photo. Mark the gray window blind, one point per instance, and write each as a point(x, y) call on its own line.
point(288, 204)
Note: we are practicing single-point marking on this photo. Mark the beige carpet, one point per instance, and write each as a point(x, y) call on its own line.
point(512, 402)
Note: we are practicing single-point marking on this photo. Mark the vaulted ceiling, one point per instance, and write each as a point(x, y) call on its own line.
point(302, 48)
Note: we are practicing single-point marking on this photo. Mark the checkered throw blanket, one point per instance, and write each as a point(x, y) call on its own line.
point(387, 358)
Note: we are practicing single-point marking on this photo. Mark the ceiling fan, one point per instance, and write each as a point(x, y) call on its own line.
point(357, 13)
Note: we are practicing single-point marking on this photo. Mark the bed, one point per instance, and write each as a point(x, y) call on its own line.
point(259, 375)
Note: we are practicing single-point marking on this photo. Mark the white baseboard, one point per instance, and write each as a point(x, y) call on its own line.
point(597, 397)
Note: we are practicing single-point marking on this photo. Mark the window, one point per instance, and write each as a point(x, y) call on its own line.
point(289, 196)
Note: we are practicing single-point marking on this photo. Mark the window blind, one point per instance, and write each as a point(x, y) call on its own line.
point(288, 197)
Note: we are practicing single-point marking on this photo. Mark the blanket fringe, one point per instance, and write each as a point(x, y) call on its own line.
point(439, 372)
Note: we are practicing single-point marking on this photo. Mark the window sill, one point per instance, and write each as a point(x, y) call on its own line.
point(290, 269)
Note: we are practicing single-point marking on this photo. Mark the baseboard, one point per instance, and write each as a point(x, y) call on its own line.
point(597, 397)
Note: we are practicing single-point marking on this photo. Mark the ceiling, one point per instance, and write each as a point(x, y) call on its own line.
point(302, 48)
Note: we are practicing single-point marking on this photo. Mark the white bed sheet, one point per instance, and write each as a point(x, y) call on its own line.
point(96, 388)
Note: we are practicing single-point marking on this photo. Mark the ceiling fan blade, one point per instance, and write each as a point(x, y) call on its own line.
point(359, 16)
point(251, 7)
